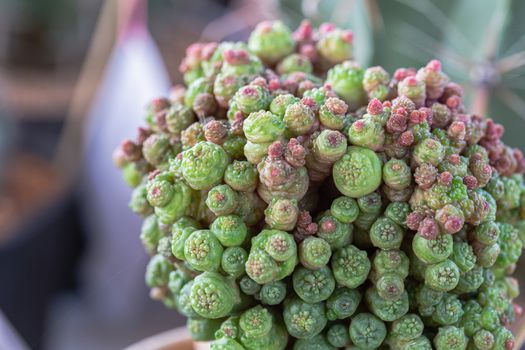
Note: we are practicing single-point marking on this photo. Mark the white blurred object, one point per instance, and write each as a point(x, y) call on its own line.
point(9, 338)
point(114, 309)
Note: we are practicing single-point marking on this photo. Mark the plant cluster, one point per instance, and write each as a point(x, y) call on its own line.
point(293, 199)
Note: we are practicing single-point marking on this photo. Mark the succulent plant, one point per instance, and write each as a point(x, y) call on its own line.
point(371, 211)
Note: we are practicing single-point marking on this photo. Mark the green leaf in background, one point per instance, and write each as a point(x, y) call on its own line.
point(481, 44)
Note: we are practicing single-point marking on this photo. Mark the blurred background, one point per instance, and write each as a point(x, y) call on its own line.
point(74, 78)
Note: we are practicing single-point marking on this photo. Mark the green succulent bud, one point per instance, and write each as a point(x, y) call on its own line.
point(150, 233)
point(443, 276)
point(202, 329)
point(450, 338)
point(503, 338)
point(487, 233)
point(313, 286)
point(463, 256)
point(222, 200)
point(414, 89)
point(303, 320)
point(510, 244)
point(160, 192)
point(386, 310)
point(233, 260)
point(391, 261)
point(225, 86)
point(255, 152)
point(272, 257)
point(358, 172)
point(256, 322)
point(299, 118)
point(203, 165)
point(295, 63)
point(249, 286)
point(432, 251)
point(241, 176)
point(198, 86)
point(337, 335)
point(332, 113)
point(342, 303)
point(213, 296)
point(139, 202)
point(226, 344)
point(158, 271)
point(397, 174)
point(156, 149)
point(183, 301)
point(483, 340)
point(234, 146)
point(375, 82)
point(315, 343)
point(336, 45)
point(346, 80)
point(178, 118)
point(203, 251)
point(448, 311)
point(421, 343)
point(273, 293)
point(250, 208)
point(252, 98)
point(314, 252)
point(271, 41)
point(345, 209)
point(230, 230)
point(386, 234)
point(367, 133)
point(281, 102)
point(180, 232)
point(327, 148)
point(192, 135)
point(281, 214)
point(407, 328)
point(350, 266)
point(487, 254)
point(367, 331)
point(334, 232)
point(177, 206)
point(429, 151)
point(471, 281)
point(390, 286)
point(398, 212)
point(262, 127)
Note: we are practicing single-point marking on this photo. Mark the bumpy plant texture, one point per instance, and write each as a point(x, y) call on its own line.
point(293, 199)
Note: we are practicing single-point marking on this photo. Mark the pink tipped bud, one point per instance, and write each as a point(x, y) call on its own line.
point(457, 130)
point(453, 102)
point(274, 84)
point(414, 219)
point(236, 56)
point(259, 81)
point(470, 181)
point(428, 228)
point(411, 81)
point(445, 178)
point(347, 36)
point(328, 226)
point(402, 73)
point(406, 139)
point(309, 102)
point(327, 27)
point(304, 31)
point(375, 107)
point(434, 65)
point(454, 159)
point(509, 344)
point(453, 224)
point(276, 150)
point(358, 125)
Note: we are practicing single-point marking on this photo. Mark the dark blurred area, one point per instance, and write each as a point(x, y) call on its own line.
point(71, 264)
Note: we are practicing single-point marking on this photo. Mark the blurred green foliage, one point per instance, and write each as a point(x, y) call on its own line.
point(481, 44)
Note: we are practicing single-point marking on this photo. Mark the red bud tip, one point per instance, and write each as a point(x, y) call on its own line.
point(375, 107)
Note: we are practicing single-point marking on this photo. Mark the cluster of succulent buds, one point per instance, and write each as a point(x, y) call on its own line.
point(293, 199)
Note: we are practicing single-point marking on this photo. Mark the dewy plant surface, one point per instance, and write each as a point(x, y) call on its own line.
point(294, 199)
